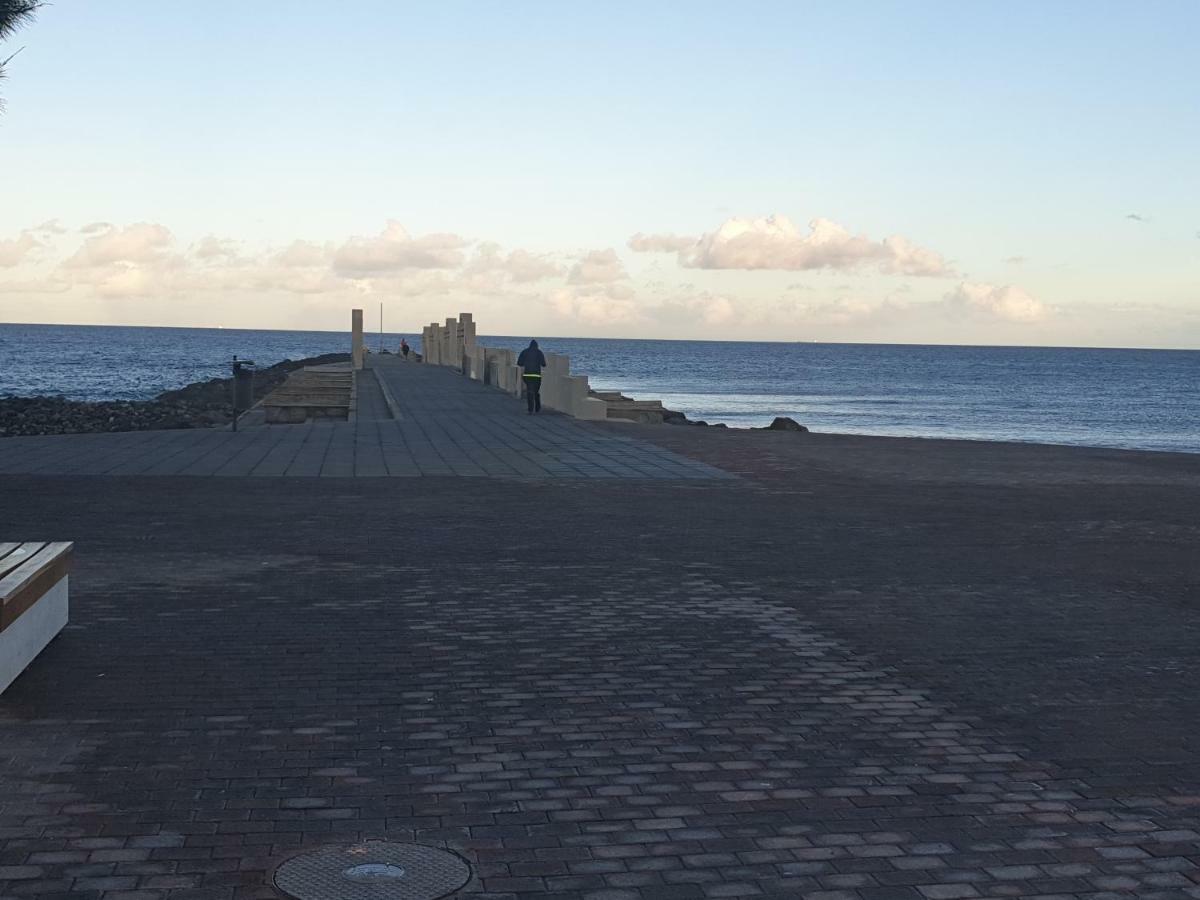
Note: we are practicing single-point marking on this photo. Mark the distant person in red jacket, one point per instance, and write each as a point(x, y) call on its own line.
point(532, 361)
point(404, 347)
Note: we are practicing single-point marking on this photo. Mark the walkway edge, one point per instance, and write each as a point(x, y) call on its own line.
point(388, 398)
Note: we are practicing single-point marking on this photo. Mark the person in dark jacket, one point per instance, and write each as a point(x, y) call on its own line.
point(532, 361)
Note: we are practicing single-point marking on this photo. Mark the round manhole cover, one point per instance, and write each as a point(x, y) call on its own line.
point(373, 870)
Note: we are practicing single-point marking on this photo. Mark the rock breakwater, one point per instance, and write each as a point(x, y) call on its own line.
point(203, 404)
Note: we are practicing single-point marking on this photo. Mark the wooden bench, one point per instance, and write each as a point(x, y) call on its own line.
point(33, 602)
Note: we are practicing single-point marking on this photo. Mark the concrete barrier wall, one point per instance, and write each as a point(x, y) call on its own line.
point(454, 344)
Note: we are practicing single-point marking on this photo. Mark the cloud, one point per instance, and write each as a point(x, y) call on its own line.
point(13, 251)
point(903, 257)
point(597, 305)
point(394, 249)
point(119, 262)
point(1015, 260)
point(40, 286)
point(128, 281)
point(1134, 217)
point(115, 262)
point(296, 280)
point(49, 228)
point(598, 267)
point(144, 242)
point(520, 266)
point(1008, 302)
point(660, 243)
point(776, 243)
point(214, 248)
point(142, 259)
point(713, 310)
point(299, 254)
point(843, 311)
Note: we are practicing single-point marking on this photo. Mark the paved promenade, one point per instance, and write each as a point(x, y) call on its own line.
point(861, 670)
point(447, 425)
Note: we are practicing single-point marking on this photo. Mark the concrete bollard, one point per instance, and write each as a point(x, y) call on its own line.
point(455, 344)
point(554, 393)
point(450, 343)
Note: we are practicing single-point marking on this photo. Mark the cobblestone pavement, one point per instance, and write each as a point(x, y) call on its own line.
point(448, 425)
point(835, 678)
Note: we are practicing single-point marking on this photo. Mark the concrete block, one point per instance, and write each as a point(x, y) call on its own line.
point(25, 638)
point(592, 409)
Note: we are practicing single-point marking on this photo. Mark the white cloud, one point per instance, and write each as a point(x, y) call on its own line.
point(14, 251)
point(903, 257)
point(144, 242)
point(39, 286)
point(520, 266)
point(660, 243)
point(597, 306)
point(593, 291)
point(841, 311)
point(1006, 302)
point(394, 249)
point(299, 254)
point(713, 310)
point(598, 267)
point(296, 280)
point(116, 262)
point(49, 228)
point(128, 281)
point(717, 311)
point(215, 248)
point(776, 243)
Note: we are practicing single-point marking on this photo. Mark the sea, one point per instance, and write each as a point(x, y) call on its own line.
point(1144, 399)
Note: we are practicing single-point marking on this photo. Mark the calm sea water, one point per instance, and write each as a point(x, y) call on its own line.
point(1110, 398)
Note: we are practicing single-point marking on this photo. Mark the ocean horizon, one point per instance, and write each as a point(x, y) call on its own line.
point(414, 337)
point(1104, 397)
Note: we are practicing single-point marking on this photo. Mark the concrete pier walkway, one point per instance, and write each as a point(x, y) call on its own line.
point(447, 425)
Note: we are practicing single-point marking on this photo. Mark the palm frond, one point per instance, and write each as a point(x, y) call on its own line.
point(14, 14)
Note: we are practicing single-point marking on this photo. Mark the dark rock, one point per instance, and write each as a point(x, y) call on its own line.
point(783, 423)
point(199, 405)
point(671, 417)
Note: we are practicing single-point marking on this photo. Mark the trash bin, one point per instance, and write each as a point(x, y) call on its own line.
point(243, 385)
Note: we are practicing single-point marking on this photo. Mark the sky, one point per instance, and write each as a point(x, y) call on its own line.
point(908, 172)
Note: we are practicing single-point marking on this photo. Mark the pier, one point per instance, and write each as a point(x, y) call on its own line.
point(436, 424)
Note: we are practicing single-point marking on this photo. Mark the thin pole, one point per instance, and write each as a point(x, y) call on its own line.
point(235, 410)
point(380, 327)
